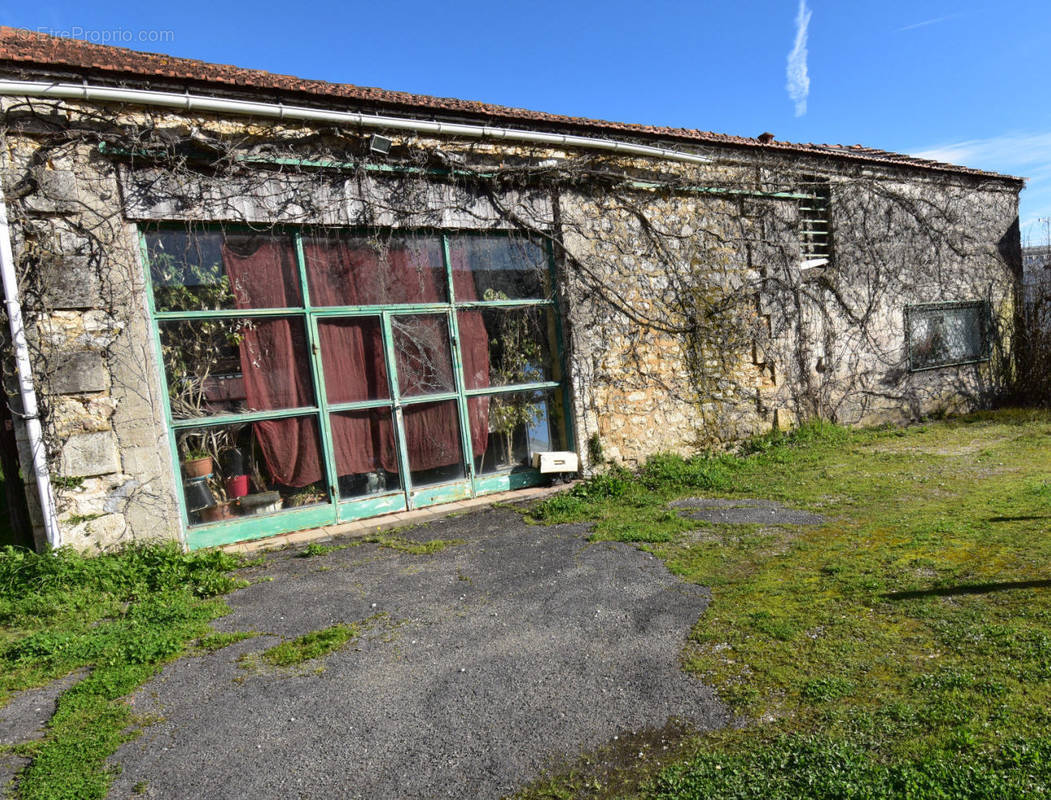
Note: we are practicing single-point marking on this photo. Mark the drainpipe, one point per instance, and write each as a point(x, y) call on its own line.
point(195, 102)
point(24, 371)
point(205, 103)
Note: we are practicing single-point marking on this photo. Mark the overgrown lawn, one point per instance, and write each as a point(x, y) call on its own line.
point(902, 649)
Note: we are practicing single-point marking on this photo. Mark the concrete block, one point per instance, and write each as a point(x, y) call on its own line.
point(56, 191)
point(784, 419)
point(79, 372)
point(142, 461)
point(69, 282)
point(89, 454)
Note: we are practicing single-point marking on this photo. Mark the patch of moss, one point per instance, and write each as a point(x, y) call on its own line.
point(316, 549)
point(309, 646)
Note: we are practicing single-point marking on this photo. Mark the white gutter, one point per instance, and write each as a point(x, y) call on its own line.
point(192, 102)
point(23, 368)
point(204, 103)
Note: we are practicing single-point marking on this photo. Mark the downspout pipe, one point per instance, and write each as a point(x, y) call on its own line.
point(207, 103)
point(24, 370)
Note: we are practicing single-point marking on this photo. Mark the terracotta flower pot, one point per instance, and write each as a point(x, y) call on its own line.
point(198, 467)
point(217, 512)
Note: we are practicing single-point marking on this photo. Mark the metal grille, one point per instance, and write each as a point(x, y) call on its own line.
point(944, 334)
point(815, 224)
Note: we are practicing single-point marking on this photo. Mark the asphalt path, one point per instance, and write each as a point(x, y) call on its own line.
point(482, 666)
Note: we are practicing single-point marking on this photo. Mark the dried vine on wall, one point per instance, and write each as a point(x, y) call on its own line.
point(680, 281)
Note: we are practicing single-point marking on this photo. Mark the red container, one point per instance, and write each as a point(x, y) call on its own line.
point(236, 486)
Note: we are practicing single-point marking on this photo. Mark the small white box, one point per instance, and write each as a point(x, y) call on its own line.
point(556, 461)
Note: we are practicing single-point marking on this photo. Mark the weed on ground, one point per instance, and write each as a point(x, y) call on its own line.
point(409, 546)
point(121, 616)
point(310, 646)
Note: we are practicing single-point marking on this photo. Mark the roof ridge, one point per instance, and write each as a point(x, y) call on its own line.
point(21, 46)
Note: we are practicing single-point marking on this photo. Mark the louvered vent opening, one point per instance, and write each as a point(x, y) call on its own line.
point(815, 222)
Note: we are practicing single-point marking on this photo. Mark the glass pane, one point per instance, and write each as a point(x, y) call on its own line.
point(248, 468)
point(501, 347)
point(366, 456)
point(498, 268)
point(432, 436)
point(222, 366)
point(208, 270)
point(506, 429)
point(421, 353)
point(946, 335)
point(365, 271)
point(352, 358)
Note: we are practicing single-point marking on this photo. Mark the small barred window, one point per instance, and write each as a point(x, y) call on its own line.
point(945, 334)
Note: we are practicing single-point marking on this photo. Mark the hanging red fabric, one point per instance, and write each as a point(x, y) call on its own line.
point(275, 361)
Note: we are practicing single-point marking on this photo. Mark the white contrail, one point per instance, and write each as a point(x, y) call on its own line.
point(798, 80)
point(926, 22)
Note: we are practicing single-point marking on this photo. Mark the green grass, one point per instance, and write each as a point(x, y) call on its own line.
point(211, 642)
point(315, 549)
point(121, 616)
point(388, 540)
point(408, 546)
point(902, 649)
point(310, 645)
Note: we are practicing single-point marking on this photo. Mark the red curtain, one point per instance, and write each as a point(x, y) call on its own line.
point(263, 274)
point(274, 356)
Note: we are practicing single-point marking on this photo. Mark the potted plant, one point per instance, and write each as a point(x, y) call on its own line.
point(507, 414)
point(197, 463)
point(235, 471)
point(519, 359)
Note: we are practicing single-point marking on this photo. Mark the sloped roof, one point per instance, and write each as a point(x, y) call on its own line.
point(24, 50)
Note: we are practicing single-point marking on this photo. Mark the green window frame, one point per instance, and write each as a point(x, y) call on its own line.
point(948, 334)
point(554, 387)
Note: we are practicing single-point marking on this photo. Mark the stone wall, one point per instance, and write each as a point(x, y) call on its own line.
point(90, 345)
point(690, 321)
point(798, 342)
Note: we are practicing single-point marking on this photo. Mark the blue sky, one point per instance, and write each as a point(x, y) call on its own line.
point(967, 81)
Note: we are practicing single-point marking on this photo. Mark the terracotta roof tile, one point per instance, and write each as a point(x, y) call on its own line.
point(21, 48)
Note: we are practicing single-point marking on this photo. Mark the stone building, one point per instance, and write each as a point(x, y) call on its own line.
point(251, 303)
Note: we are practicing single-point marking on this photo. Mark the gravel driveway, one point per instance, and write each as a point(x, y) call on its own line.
point(486, 663)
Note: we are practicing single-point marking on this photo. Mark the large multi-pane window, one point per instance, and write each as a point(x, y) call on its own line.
point(337, 374)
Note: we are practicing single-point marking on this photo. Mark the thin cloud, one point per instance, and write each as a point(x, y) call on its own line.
point(1024, 154)
point(798, 84)
point(926, 22)
point(1015, 152)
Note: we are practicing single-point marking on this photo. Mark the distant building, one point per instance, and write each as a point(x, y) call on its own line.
point(1036, 265)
